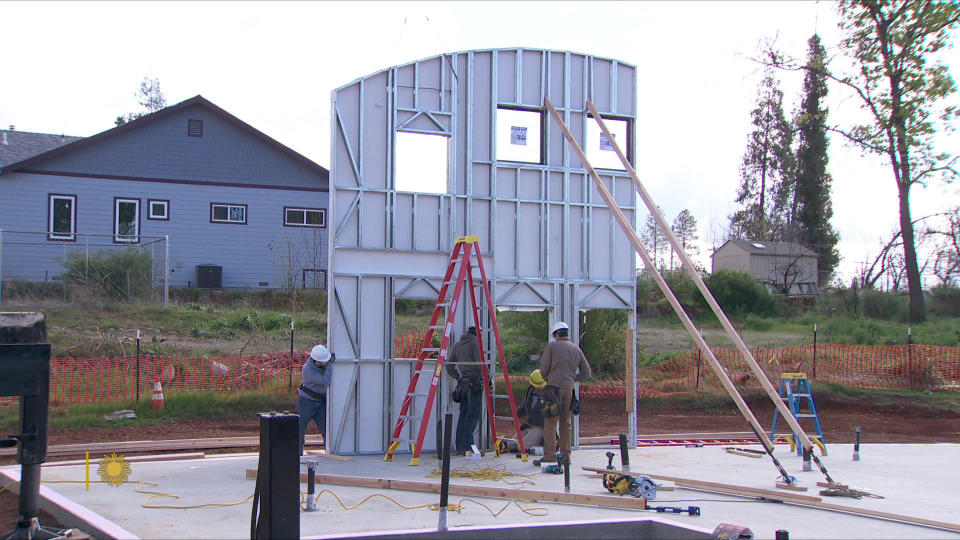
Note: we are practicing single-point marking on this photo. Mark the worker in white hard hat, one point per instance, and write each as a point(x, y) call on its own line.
point(312, 394)
point(561, 364)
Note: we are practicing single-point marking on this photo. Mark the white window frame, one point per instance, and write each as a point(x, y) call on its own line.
point(288, 223)
point(229, 207)
point(166, 209)
point(126, 238)
point(59, 235)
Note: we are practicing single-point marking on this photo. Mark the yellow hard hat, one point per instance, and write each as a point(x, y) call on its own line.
point(536, 379)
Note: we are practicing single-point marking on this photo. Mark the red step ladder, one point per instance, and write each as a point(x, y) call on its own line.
point(459, 270)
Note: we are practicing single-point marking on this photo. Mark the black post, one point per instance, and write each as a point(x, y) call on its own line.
point(624, 454)
point(279, 478)
point(699, 352)
point(138, 367)
point(566, 473)
point(856, 446)
point(814, 374)
point(445, 471)
point(782, 535)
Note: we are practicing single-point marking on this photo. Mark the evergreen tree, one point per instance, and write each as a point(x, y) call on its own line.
point(684, 227)
point(767, 171)
point(812, 207)
point(150, 97)
point(654, 240)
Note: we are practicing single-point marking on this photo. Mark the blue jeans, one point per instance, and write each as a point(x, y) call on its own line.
point(312, 409)
point(470, 408)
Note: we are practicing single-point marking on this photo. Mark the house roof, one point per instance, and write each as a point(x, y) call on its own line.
point(25, 160)
point(16, 146)
point(756, 247)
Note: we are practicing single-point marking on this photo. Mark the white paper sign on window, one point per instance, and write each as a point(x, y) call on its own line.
point(605, 142)
point(518, 135)
point(600, 150)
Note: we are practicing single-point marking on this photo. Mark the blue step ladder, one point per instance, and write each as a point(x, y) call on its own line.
point(795, 397)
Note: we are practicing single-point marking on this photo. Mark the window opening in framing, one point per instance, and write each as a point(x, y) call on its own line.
point(62, 217)
point(228, 213)
point(421, 162)
point(519, 135)
point(126, 221)
point(600, 150)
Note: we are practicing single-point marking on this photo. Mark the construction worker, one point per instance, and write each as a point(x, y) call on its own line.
point(561, 363)
point(312, 394)
point(464, 365)
point(532, 407)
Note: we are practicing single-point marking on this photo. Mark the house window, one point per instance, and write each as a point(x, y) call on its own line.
point(304, 217)
point(421, 163)
point(194, 128)
point(126, 221)
point(518, 135)
point(228, 213)
point(314, 278)
point(62, 217)
point(599, 147)
point(158, 210)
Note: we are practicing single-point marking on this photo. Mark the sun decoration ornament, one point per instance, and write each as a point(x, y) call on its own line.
point(114, 469)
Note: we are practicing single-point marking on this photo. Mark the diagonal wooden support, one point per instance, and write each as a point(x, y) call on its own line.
point(691, 271)
point(638, 246)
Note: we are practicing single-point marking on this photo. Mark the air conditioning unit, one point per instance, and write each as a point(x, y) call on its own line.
point(209, 276)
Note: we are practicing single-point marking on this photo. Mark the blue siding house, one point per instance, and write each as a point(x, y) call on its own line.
point(228, 204)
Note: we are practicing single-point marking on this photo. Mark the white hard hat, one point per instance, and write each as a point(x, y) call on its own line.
point(559, 325)
point(320, 354)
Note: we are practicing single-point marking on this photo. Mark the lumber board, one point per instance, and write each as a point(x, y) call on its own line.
point(131, 459)
point(156, 446)
point(736, 452)
point(730, 488)
point(799, 500)
point(792, 487)
point(325, 455)
point(476, 491)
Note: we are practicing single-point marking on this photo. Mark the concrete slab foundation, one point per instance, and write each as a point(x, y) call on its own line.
point(211, 497)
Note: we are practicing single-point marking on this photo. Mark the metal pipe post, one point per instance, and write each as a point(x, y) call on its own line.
point(445, 472)
point(624, 453)
point(814, 374)
point(138, 367)
point(311, 483)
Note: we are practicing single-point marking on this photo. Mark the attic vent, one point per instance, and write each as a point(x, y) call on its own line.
point(194, 128)
point(758, 245)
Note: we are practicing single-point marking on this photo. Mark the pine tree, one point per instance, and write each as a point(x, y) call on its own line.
point(684, 227)
point(654, 240)
point(813, 207)
point(767, 171)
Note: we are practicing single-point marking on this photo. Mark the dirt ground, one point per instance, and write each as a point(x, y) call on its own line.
point(600, 417)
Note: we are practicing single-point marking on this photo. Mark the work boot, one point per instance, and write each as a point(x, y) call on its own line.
point(537, 462)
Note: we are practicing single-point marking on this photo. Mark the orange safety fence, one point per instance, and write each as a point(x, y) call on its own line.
point(917, 367)
point(114, 379)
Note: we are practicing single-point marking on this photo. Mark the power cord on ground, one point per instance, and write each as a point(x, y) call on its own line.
point(497, 473)
point(458, 507)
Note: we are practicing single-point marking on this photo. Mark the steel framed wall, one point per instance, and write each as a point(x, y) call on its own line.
point(547, 238)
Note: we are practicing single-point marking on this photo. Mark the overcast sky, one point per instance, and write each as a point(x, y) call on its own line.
point(73, 67)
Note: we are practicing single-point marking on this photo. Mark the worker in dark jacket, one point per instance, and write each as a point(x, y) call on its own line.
point(464, 365)
point(312, 394)
point(532, 407)
point(561, 364)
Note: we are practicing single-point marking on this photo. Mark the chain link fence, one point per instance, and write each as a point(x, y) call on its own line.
point(41, 269)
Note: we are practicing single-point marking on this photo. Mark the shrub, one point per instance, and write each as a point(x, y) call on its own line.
point(945, 301)
point(739, 294)
point(891, 306)
point(125, 274)
point(602, 338)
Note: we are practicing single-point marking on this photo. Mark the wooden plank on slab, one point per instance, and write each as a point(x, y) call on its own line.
point(131, 459)
point(157, 446)
point(799, 500)
point(476, 491)
point(746, 491)
point(314, 453)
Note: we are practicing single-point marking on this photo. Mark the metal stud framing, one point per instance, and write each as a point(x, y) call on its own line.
point(548, 237)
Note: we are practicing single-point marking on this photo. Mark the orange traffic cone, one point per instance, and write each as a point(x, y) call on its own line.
point(157, 402)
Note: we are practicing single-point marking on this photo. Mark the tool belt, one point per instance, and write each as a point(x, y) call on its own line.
point(312, 394)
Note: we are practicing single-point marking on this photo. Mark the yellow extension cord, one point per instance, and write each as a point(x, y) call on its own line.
point(497, 473)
